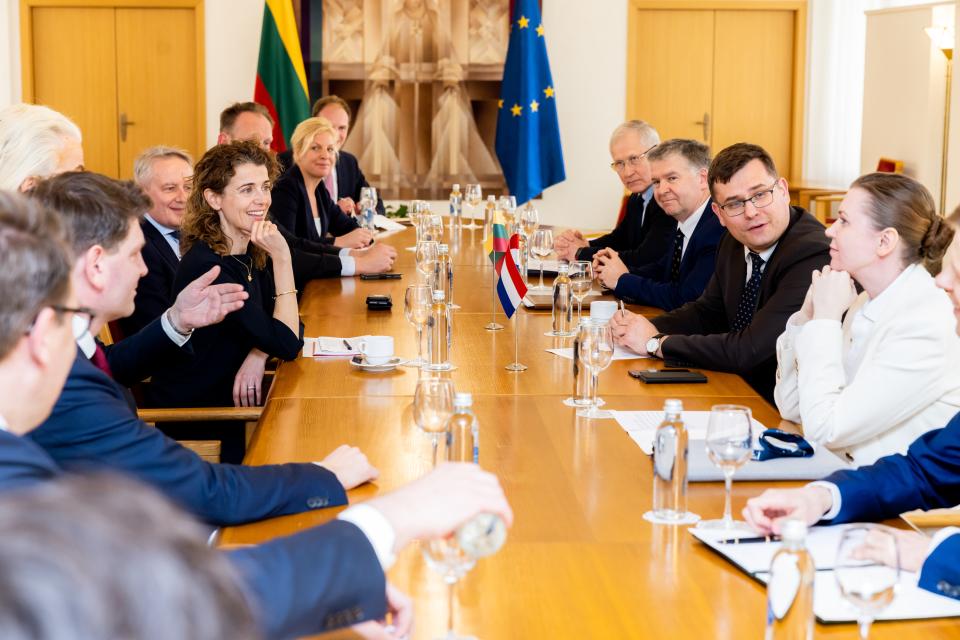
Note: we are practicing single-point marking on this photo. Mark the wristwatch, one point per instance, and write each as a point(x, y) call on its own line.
point(653, 344)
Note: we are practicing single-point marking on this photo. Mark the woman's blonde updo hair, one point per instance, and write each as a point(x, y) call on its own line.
point(303, 135)
point(901, 203)
point(214, 171)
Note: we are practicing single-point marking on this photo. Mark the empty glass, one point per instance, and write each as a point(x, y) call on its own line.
point(418, 209)
point(428, 252)
point(474, 198)
point(581, 282)
point(529, 219)
point(508, 205)
point(729, 446)
point(432, 408)
point(596, 353)
point(542, 246)
point(416, 309)
point(368, 206)
point(867, 570)
point(431, 228)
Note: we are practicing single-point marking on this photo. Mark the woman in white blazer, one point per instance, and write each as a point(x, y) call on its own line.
point(867, 374)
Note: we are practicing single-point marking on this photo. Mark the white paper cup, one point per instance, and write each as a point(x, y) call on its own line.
point(603, 310)
point(377, 349)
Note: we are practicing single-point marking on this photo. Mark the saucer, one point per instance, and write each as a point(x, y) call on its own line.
point(389, 365)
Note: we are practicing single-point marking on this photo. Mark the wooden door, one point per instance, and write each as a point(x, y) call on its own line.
point(670, 70)
point(753, 81)
point(74, 72)
point(156, 81)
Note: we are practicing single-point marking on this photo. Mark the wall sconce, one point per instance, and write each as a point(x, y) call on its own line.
point(943, 38)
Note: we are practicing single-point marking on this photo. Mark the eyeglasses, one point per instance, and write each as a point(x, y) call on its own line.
point(82, 317)
point(634, 161)
point(758, 200)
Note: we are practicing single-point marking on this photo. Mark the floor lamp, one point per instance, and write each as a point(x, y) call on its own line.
point(943, 39)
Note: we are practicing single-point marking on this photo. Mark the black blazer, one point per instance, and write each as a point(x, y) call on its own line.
point(350, 178)
point(637, 244)
point(291, 209)
point(651, 285)
point(700, 330)
point(153, 290)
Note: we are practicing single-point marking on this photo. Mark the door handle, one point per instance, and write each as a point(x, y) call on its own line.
point(705, 123)
point(124, 123)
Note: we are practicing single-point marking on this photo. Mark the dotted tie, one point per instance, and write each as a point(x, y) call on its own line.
point(748, 299)
point(677, 256)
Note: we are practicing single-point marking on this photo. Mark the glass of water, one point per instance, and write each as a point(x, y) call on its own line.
point(581, 282)
point(729, 446)
point(474, 198)
point(432, 408)
point(596, 353)
point(542, 246)
point(867, 570)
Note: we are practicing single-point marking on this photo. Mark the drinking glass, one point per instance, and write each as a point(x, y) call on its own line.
point(868, 584)
point(431, 228)
point(474, 198)
point(508, 205)
point(432, 408)
point(529, 219)
point(581, 282)
point(418, 208)
point(596, 353)
point(416, 309)
point(428, 252)
point(541, 247)
point(729, 445)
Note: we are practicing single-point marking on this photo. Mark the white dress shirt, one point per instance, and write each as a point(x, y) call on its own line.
point(872, 385)
point(765, 255)
point(348, 264)
point(688, 226)
point(376, 528)
point(88, 346)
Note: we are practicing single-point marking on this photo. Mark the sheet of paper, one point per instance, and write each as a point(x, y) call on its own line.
point(383, 222)
point(327, 346)
point(619, 353)
point(642, 425)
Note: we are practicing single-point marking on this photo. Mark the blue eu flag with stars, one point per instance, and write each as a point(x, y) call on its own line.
point(528, 134)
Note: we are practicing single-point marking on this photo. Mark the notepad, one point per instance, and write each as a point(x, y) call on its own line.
point(325, 346)
point(829, 605)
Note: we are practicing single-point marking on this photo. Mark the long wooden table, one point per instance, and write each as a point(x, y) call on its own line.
point(580, 561)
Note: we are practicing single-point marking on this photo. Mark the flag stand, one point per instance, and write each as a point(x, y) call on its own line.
point(516, 365)
point(493, 325)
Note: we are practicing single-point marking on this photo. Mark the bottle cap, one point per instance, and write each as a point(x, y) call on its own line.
point(673, 406)
point(491, 198)
point(563, 267)
point(456, 186)
point(463, 399)
point(443, 248)
point(438, 295)
point(793, 530)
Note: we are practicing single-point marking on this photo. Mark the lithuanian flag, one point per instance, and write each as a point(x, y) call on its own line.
point(496, 243)
point(281, 79)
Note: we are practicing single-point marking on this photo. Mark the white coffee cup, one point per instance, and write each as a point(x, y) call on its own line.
point(603, 310)
point(376, 349)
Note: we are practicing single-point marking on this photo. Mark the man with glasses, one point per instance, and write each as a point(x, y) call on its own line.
point(644, 231)
point(678, 169)
point(762, 275)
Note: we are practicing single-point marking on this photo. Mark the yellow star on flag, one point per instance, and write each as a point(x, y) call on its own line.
point(499, 104)
point(534, 106)
point(548, 92)
point(516, 109)
point(523, 22)
point(540, 30)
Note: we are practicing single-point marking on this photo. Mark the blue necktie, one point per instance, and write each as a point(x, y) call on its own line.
point(748, 299)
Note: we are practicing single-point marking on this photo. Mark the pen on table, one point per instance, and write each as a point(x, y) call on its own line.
point(749, 540)
point(347, 345)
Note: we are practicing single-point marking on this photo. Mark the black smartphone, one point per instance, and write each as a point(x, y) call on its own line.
point(379, 302)
point(668, 376)
point(380, 276)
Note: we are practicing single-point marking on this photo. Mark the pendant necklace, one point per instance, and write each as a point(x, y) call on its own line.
point(249, 267)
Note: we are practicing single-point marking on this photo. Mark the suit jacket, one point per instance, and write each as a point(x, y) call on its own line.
point(154, 289)
point(311, 259)
point(700, 330)
point(139, 356)
point(927, 477)
point(93, 427)
point(650, 284)
point(350, 178)
point(889, 400)
point(303, 584)
point(637, 244)
point(291, 209)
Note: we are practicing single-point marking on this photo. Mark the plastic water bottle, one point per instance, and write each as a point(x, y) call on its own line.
point(444, 273)
point(562, 302)
point(464, 431)
point(438, 340)
point(456, 205)
point(488, 210)
point(670, 448)
point(582, 380)
point(790, 589)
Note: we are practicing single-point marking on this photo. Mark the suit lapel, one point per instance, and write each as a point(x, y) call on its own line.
point(158, 242)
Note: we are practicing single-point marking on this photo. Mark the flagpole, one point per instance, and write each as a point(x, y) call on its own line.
point(516, 365)
point(493, 325)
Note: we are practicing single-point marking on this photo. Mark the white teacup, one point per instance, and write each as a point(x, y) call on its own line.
point(376, 349)
point(603, 310)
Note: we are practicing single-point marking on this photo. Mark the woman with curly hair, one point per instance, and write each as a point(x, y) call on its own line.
point(226, 225)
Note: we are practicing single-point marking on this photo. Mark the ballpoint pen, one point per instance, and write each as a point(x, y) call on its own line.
point(347, 345)
point(623, 312)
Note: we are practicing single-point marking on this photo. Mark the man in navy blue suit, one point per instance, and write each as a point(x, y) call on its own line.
point(678, 170)
point(926, 477)
point(317, 580)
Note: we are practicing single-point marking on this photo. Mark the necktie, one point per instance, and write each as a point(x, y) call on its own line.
point(175, 234)
point(677, 256)
point(99, 360)
point(748, 299)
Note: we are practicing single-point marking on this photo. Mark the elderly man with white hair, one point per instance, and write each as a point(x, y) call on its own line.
point(35, 142)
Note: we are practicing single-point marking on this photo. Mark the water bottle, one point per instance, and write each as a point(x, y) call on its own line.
point(438, 340)
point(562, 302)
point(464, 431)
point(790, 589)
point(582, 379)
point(444, 273)
point(670, 448)
point(456, 205)
point(488, 210)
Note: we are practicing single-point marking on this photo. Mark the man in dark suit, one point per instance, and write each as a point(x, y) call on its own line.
point(346, 180)
point(678, 169)
point(164, 174)
point(926, 477)
point(645, 230)
point(762, 275)
point(317, 580)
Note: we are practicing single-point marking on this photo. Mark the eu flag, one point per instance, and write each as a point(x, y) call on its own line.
point(528, 134)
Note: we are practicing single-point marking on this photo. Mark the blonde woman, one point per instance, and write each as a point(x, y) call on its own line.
point(301, 201)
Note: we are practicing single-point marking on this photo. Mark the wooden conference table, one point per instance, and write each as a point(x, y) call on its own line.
point(580, 561)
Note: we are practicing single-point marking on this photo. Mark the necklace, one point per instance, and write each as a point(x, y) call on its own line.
point(248, 267)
